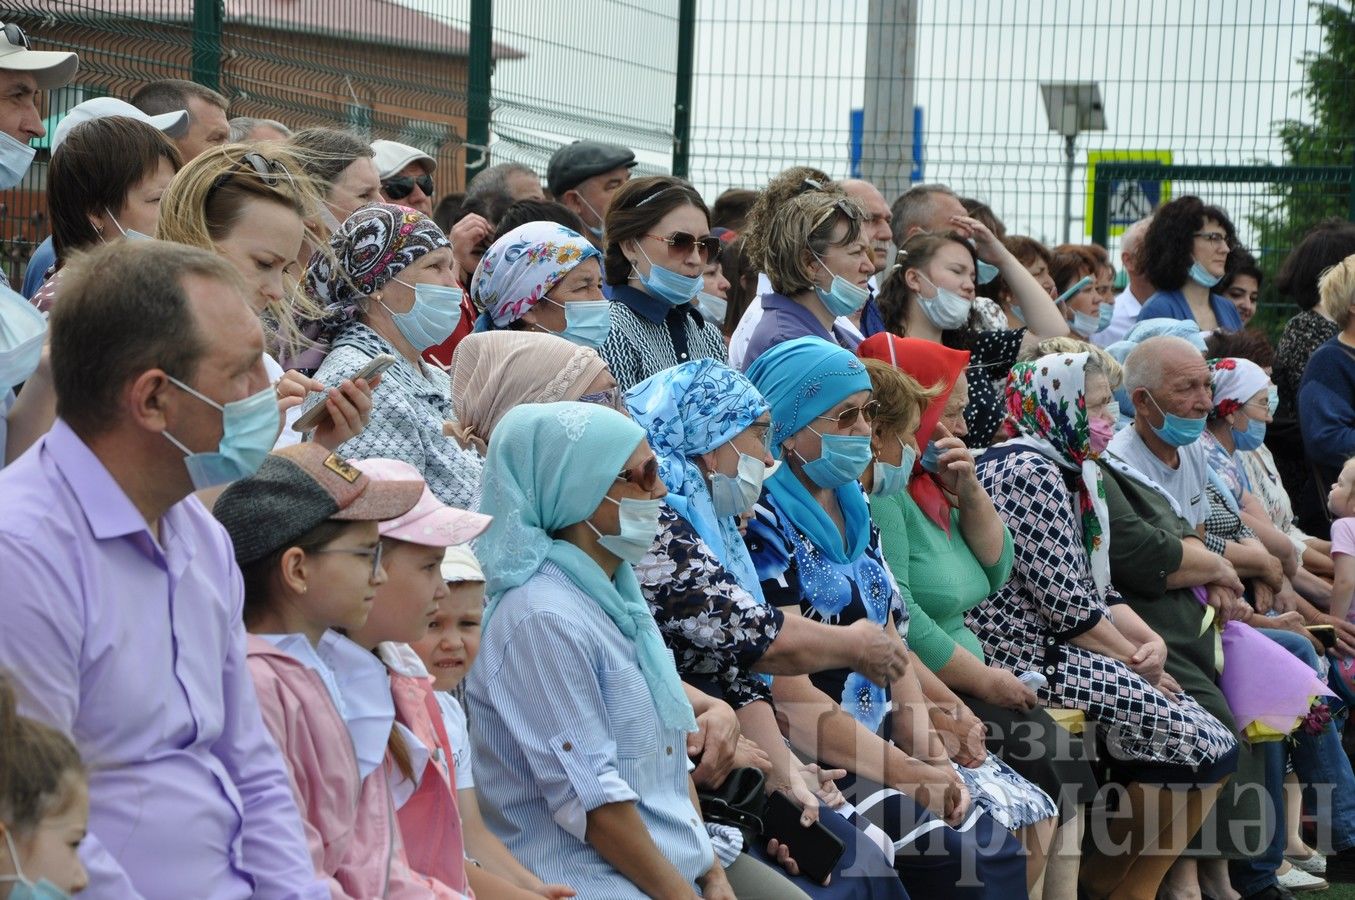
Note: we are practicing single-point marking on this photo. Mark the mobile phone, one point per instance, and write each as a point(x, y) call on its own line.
point(1324, 633)
point(313, 416)
point(815, 849)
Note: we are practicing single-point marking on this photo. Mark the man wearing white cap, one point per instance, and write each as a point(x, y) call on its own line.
point(406, 174)
point(23, 72)
point(174, 124)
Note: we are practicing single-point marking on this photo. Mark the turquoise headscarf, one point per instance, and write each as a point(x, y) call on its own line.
point(802, 379)
point(688, 410)
point(549, 466)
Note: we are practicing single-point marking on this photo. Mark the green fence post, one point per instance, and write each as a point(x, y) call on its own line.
point(478, 90)
point(682, 101)
point(208, 16)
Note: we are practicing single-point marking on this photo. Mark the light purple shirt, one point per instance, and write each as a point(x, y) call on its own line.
point(137, 649)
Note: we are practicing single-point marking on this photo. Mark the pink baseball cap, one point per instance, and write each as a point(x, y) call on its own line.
point(430, 522)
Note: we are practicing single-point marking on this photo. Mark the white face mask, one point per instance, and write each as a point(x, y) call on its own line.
point(945, 309)
point(639, 520)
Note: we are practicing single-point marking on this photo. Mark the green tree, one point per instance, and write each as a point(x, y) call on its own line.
point(1326, 139)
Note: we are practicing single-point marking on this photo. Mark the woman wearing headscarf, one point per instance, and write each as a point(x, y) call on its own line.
point(817, 555)
point(591, 787)
point(708, 426)
point(389, 289)
point(542, 276)
point(1054, 615)
point(494, 371)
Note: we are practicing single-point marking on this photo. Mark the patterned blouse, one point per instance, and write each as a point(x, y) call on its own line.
point(409, 408)
point(1302, 335)
point(991, 357)
point(649, 335)
point(716, 629)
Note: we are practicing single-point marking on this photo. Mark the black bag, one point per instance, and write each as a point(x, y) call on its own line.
point(739, 802)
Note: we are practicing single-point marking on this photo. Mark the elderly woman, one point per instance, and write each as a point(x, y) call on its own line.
point(1186, 254)
point(817, 555)
point(1059, 615)
point(658, 241)
point(494, 371)
point(1327, 393)
point(581, 789)
point(545, 277)
point(708, 426)
point(389, 289)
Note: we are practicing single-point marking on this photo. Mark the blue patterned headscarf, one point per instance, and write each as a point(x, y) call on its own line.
point(549, 466)
point(521, 267)
point(688, 410)
point(802, 379)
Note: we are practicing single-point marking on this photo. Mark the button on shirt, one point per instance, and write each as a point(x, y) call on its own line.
point(564, 723)
point(135, 647)
point(649, 335)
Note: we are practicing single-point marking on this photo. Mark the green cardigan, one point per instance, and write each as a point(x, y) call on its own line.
point(937, 575)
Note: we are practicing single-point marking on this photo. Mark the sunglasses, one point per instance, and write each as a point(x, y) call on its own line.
point(643, 477)
point(15, 35)
point(398, 187)
point(269, 171)
point(681, 243)
point(847, 418)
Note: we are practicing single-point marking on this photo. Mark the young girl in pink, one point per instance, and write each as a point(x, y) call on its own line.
point(1341, 503)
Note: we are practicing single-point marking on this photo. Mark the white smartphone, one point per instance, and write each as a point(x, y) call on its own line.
point(316, 413)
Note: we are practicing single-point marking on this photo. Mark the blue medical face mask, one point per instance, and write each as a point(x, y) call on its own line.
point(22, 331)
point(1253, 437)
point(735, 496)
point(986, 272)
point(639, 520)
point(1200, 275)
point(946, 309)
point(842, 297)
point(15, 158)
point(249, 428)
point(842, 458)
point(587, 322)
point(1105, 316)
point(665, 284)
point(129, 235)
point(1178, 431)
point(432, 318)
point(1272, 399)
point(931, 458)
point(1086, 324)
point(712, 307)
point(891, 479)
point(22, 888)
point(595, 229)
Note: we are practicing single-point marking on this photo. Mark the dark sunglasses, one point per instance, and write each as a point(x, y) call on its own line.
point(847, 418)
point(398, 187)
point(15, 35)
point(645, 477)
point(681, 242)
point(269, 171)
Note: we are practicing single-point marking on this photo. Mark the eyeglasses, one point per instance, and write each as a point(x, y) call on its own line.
point(15, 35)
point(374, 552)
point(398, 187)
point(1213, 237)
point(681, 242)
point(847, 418)
point(269, 171)
point(644, 477)
point(764, 431)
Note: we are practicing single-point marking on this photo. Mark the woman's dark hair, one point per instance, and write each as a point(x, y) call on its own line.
point(93, 171)
point(1240, 262)
point(638, 206)
point(39, 766)
point(523, 211)
point(325, 152)
point(896, 298)
point(1169, 246)
point(1250, 344)
point(1068, 263)
point(1026, 250)
point(742, 282)
point(1324, 246)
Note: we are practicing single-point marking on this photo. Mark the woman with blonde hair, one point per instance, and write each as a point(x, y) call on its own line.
point(248, 204)
point(1327, 392)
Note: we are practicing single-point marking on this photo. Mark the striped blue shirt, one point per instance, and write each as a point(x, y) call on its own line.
point(563, 723)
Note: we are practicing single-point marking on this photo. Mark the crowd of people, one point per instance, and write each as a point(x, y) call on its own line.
point(829, 547)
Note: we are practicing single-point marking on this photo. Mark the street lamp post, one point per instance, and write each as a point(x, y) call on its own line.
point(1072, 108)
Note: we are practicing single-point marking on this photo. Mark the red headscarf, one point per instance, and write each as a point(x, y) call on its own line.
point(930, 364)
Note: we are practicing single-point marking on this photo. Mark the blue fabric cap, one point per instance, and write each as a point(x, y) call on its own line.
point(802, 379)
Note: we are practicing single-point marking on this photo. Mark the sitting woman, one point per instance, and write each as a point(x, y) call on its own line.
point(1082, 308)
point(816, 554)
point(1054, 616)
point(389, 289)
point(1186, 251)
point(545, 277)
point(592, 788)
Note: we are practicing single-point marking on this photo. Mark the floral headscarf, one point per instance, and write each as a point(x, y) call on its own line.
point(1047, 399)
point(522, 266)
point(688, 410)
point(1235, 381)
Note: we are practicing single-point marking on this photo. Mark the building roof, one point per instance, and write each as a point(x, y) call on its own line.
point(382, 22)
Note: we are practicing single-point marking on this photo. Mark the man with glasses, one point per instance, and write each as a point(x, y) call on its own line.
point(406, 174)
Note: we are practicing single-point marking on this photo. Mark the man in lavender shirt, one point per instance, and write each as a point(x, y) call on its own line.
point(121, 605)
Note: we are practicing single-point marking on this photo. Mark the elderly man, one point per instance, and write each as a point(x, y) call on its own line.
point(122, 603)
point(207, 126)
point(924, 207)
point(406, 174)
point(584, 175)
point(1130, 300)
point(246, 128)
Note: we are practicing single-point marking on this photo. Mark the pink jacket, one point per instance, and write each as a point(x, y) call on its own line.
point(353, 835)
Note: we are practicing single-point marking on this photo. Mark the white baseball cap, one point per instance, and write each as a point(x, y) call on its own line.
point(392, 156)
point(50, 68)
point(173, 124)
